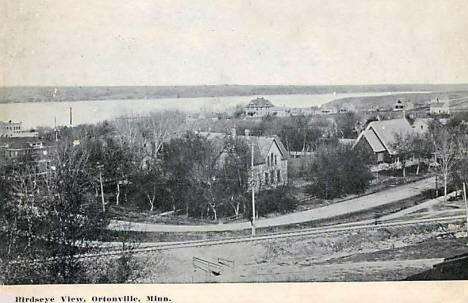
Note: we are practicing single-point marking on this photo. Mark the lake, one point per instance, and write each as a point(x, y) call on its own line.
point(36, 114)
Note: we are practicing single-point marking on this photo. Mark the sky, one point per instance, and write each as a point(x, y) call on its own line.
point(268, 42)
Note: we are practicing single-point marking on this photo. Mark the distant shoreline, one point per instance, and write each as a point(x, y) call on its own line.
point(19, 94)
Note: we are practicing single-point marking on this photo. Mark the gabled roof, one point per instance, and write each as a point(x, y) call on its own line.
point(260, 102)
point(262, 144)
point(438, 104)
point(381, 134)
point(373, 141)
point(386, 131)
point(422, 120)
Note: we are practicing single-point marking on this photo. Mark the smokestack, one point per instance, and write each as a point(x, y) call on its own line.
point(71, 117)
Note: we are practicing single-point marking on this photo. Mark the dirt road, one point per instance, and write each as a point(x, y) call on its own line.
point(350, 206)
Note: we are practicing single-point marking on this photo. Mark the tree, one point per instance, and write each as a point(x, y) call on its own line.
point(187, 165)
point(446, 148)
point(149, 186)
point(231, 174)
point(61, 205)
point(335, 172)
point(346, 124)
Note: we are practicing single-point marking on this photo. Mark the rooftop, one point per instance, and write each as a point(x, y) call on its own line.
point(262, 144)
point(260, 102)
point(387, 129)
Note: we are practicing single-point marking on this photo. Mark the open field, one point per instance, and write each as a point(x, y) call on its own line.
point(459, 103)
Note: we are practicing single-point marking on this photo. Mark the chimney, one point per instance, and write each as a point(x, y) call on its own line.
point(233, 132)
point(247, 132)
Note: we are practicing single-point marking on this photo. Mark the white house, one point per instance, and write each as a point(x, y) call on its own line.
point(440, 106)
point(421, 126)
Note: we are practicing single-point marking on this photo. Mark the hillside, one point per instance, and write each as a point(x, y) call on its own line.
point(459, 100)
point(44, 94)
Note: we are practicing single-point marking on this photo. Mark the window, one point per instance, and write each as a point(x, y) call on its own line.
point(276, 159)
point(266, 178)
point(278, 176)
point(380, 157)
point(272, 178)
point(272, 155)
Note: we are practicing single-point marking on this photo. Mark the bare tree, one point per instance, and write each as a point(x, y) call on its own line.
point(446, 148)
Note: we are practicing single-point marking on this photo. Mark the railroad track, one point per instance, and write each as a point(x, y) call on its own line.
point(154, 247)
point(290, 234)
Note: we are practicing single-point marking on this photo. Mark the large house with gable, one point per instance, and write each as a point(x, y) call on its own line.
point(270, 167)
point(258, 107)
point(380, 137)
point(261, 107)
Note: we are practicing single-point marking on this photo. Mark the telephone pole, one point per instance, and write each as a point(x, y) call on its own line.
point(253, 193)
point(102, 189)
point(466, 204)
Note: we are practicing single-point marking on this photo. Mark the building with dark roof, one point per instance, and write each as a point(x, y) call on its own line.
point(13, 148)
point(270, 157)
point(380, 137)
point(258, 107)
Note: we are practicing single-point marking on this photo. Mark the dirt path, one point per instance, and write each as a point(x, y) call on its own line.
point(351, 206)
point(409, 210)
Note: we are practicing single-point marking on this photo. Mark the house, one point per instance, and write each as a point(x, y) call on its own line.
point(278, 111)
point(10, 128)
point(421, 126)
point(258, 107)
point(379, 137)
point(440, 106)
point(14, 127)
point(328, 110)
point(14, 130)
point(401, 105)
point(270, 167)
point(14, 148)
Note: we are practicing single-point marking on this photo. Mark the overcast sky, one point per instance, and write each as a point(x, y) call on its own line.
point(154, 42)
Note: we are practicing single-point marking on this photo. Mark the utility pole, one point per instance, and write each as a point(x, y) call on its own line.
point(55, 128)
point(71, 117)
point(466, 204)
point(102, 190)
point(253, 193)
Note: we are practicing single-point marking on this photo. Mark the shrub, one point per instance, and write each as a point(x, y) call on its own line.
point(277, 200)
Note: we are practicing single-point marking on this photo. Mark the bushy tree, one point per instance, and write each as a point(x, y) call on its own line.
point(335, 172)
point(187, 163)
point(275, 200)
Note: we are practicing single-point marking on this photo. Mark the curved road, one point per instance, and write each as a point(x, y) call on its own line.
point(347, 207)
